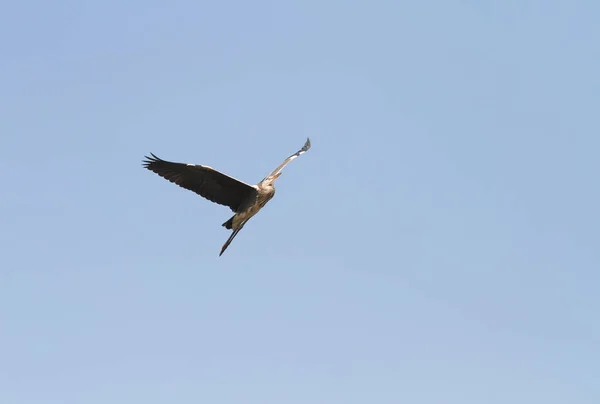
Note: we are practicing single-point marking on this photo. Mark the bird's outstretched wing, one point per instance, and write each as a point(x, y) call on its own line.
point(304, 149)
point(203, 180)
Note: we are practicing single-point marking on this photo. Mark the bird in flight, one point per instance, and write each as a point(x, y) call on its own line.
point(243, 199)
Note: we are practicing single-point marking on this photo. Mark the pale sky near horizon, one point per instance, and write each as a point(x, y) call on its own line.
point(439, 243)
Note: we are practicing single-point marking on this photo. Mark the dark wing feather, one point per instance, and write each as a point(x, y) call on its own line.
point(204, 181)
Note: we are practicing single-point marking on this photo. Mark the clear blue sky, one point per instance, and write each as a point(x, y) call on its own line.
point(438, 244)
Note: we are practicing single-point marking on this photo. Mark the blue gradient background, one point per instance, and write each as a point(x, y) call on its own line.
point(438, 244)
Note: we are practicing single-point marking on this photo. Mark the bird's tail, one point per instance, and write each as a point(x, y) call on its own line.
point(229, 240)
point(228, 223)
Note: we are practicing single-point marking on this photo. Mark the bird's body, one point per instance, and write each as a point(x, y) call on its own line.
point(263, 195)
point(243, 199)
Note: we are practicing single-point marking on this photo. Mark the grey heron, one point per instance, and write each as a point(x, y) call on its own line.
point(243, 199)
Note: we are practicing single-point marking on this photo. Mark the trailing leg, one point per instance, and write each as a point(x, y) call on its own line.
point(230, 239)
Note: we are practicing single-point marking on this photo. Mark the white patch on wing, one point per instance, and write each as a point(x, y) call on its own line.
point(289, 159)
